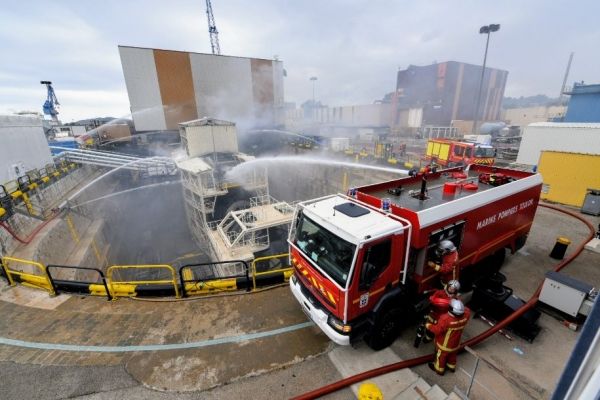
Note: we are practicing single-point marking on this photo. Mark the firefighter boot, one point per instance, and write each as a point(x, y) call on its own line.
point(432, 367)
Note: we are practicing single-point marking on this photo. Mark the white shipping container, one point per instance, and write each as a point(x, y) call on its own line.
point(558, 136)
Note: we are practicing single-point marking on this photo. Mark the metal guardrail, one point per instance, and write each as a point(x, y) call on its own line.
point(186, 275)
point(494, 383)
point(286, 271)
point(41, 280)
point(75, 283)
point(114, 285)
point(199, 279)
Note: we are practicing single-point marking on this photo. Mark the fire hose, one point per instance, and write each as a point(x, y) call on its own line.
point(29, 238)
point(332, 387)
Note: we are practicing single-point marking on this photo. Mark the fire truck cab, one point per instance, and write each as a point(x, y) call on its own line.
point(361, 260)
point(452, 153)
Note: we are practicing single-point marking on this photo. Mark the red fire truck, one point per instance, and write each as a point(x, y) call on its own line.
point(361, 260)
point(451, 153)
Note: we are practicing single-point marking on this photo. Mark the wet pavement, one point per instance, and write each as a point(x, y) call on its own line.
point(277, 366)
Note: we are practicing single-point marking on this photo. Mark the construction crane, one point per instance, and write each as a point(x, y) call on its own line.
point(212, 29)
point(51, 104)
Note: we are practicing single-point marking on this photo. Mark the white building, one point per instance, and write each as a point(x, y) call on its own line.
point(567, 137)
point(24, 146)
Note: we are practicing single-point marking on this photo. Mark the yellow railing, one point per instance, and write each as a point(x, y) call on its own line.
point(127, 287)
point(287, 271)
point(40, 280)
point(37, 276)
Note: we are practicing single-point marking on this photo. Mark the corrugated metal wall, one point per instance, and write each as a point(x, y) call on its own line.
point(23, 144)
point(567, 176)
point(169, 87)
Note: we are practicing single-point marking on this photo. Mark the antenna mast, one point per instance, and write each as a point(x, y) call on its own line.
point(212, 29)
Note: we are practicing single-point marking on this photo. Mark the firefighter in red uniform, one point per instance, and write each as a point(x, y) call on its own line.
point(440, 301)
point(448, 268)
point(448, 331)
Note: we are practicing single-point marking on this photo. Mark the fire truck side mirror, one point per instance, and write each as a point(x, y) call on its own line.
point(367, 275)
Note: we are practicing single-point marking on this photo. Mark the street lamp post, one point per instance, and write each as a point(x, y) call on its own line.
point(314, 106)
point(487, 29)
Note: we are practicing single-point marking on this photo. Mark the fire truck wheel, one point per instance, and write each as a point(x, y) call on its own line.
point(520, 242)
point(385, 329)
point(496, 260)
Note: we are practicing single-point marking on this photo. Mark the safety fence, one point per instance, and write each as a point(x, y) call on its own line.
point(153, 280)
point(28, 186)
point(485, 379)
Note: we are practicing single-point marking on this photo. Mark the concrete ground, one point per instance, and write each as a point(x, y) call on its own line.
point(282, 365)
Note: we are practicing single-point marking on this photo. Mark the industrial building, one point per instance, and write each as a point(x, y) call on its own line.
point(581, 138)
point(447, 91)
point(167, 87)
point(569, 177)
point(567, 155)
point(24, 146)
point(524, 116)
point(584, 104)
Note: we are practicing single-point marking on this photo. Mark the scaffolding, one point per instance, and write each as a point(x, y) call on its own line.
point(224, 225)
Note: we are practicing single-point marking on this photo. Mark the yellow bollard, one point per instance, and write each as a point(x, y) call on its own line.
point(560, 248)
point(369, 391)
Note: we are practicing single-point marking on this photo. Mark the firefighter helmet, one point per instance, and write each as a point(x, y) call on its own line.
point(445, 247)
point(453, 287)
point(457, 307)
point(369, 391)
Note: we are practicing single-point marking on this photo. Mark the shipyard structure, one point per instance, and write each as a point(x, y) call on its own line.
point(167, 87)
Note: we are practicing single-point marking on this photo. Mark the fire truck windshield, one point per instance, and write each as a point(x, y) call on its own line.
point(485, 152)
point(331, 253)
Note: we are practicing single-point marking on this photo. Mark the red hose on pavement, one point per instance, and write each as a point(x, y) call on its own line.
point(471, 342)
point(32, 234)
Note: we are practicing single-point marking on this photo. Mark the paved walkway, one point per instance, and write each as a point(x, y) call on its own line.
point(223, 338)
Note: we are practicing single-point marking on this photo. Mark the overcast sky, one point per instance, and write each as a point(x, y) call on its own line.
point(353, 47)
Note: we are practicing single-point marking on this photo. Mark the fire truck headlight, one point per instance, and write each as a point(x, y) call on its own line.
point(338, 325)
point(294, 280)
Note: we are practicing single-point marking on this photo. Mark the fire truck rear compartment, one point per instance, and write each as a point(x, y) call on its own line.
point(407, 192)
